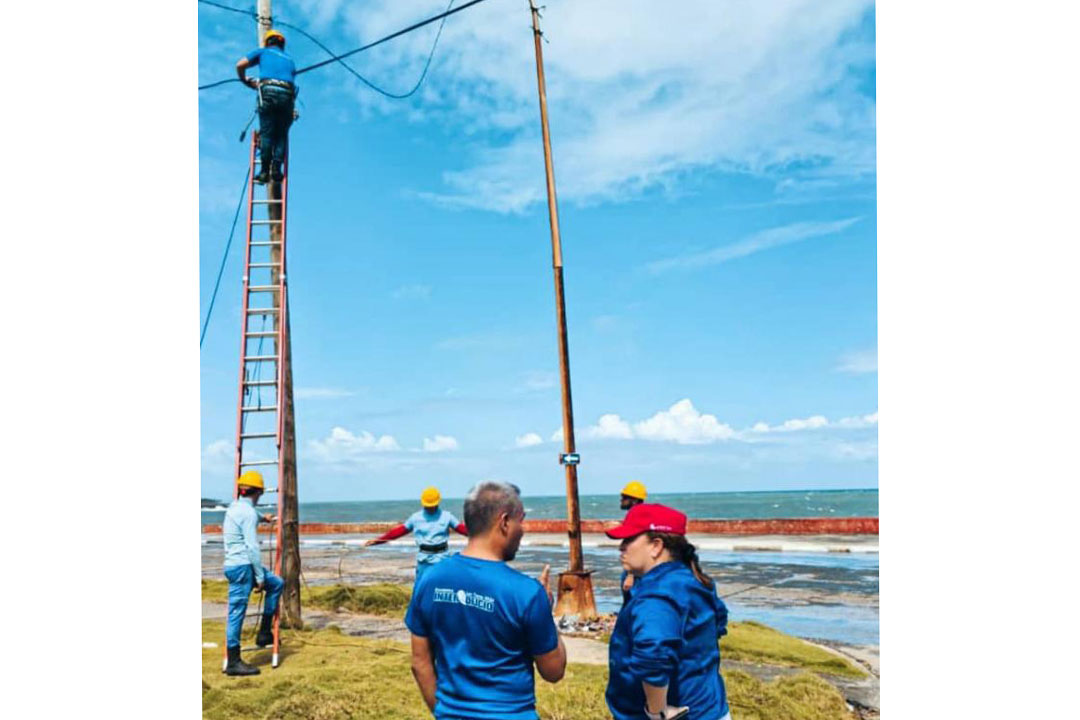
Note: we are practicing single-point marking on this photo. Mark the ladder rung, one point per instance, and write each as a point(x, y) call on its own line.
point(264, 265)
point(265, 202)
point(263, 288)
point(261, 334)
point(262, 311)
point(254, 436)
point(265, 222)
point(260, 358)
point(258, 462)
point(265, 244)
point(260, 382)
point(268, 408)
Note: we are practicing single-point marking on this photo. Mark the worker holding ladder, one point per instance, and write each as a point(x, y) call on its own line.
point(277, 94)
point(244, 571)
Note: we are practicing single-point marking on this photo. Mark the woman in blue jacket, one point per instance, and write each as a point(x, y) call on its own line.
point(664, 660)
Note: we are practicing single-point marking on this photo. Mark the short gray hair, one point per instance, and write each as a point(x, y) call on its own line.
point(487, 501)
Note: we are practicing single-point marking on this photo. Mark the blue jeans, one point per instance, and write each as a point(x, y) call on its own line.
point(241, 580)
point(426, 561)
point(275, 119)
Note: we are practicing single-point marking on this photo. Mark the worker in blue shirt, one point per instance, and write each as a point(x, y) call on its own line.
point(479, 626)
point(277, 94)
point(664, 659)
point(244, 571)
point(430, 526)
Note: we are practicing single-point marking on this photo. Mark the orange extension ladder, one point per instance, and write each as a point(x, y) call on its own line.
point(264, 324)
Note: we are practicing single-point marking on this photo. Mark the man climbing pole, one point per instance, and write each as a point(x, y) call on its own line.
point(633, 494)
point(277, 94)
point(244, 571)
point(431, 527)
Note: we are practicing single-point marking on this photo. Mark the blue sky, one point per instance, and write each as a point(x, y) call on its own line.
point(716, 171)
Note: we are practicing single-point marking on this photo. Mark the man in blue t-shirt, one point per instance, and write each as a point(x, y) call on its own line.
point(478, 626)
point(277, 93)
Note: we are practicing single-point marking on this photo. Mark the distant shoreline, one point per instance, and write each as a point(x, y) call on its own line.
point(749, 526)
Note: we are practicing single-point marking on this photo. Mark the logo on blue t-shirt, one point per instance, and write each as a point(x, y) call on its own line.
point(468, 599)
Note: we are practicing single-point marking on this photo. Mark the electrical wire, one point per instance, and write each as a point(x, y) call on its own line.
point(338, 58)
point(376, 88)
point(224, 259)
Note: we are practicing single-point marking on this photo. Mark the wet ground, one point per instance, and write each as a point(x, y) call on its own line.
point(819, 588)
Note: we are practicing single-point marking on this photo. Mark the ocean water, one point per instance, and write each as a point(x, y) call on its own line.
point(839, 600)
point(734, 505)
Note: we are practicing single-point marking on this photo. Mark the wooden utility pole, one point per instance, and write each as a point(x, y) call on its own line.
point(288, 511)
point(575, 585)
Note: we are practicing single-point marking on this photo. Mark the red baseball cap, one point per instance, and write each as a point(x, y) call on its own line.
point(649, 516)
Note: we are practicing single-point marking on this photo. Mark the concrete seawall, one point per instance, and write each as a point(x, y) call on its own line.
point(769, 526)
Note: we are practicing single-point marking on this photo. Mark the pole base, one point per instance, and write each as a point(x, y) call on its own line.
point(576, 594)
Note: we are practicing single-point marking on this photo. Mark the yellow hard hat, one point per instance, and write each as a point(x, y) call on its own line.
point(273, 34)
point(430, 497)
point(251, 478)
point(634, 489)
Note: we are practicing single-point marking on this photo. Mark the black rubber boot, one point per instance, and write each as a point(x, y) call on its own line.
point(277, 173)
point(263, 177)
point(236, 666)
point(265, 638)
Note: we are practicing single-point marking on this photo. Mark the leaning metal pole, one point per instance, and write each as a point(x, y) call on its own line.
point(575, 585)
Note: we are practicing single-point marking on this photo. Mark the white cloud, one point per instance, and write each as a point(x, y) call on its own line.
point(610, 426)
point(317, 393)
point(441, 443)
point(857, 363)
point(412, 292)
point(683, 424)
point(218, 456)
point(763, 240)
point(817, 422)
point(858, 422)
point(342, 444)
point(638, 97)
point(540, 380)
point(557, 436)
point(811, 423)
point(528, 440)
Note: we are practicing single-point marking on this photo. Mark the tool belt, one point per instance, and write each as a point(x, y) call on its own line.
point(276, 83)
point(441, 547)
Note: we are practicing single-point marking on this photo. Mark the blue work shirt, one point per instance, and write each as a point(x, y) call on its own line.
point(273, 64)
point(667, 634)
point(485, 622)
point(241, 540)
point(430, 528)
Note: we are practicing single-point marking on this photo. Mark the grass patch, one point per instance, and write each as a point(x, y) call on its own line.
point(753, 642)
point(325, 675)
point(756, 643)
point(382, 599)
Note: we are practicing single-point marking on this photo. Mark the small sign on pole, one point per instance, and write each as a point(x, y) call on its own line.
point(569, 458)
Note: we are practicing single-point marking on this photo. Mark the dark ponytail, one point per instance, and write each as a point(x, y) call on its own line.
point(683, 551)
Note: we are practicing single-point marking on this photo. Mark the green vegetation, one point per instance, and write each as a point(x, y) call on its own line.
point(756, 643)
point(325, 675)
point(382, 599)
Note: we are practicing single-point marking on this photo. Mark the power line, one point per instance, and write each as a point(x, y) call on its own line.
point(338, 58)
point(391, 36)
point(224, 258)
point(367, 82)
